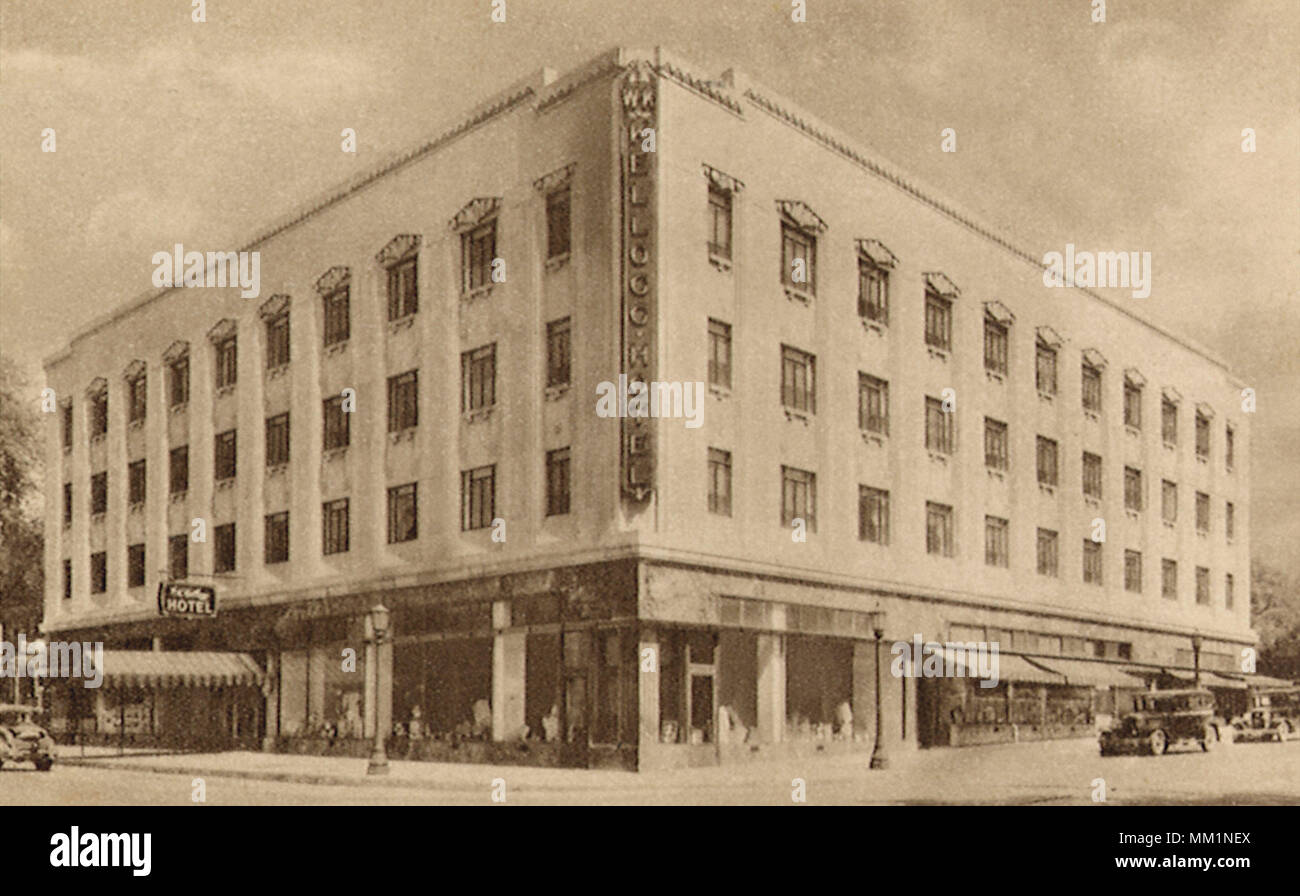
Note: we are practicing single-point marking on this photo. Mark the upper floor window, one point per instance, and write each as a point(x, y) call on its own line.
point(178, 386)
point(798, 380)
point(1133, 491)
point(1091, 387)
point(1048, 468)
point(996, 541)
point(277, 341)
point(1045, 368)
point(557, 223)
point(478, 496)
point(178, 472)
point(557, 482)
point(995, 444)
point(137, 392)
point(1169, 579)
point(403, 513)
point(135, 566)
point(939, 529)
point(798, 258)
point(478, 375)
point(1202, 512)
point(276, 542)
point(1168, 501)
point(1133, 571)
point(478, 247)
point(798, 497)
point(873, 404)
point(227, 359)
point(719, 354)
point(67, 503)
point(1168, 421)
point(559, 352)
point(873, 514)
point(98, 494)
point(67, 579)
point(277, 440)
point(995, 346)
point(1228, 595)
point(99, 413)
point(224, 465)
point(403, 288)
point(337, 424)
point(1092, 568)
point(1202, 585)
point(1091, 474)
point(1229, 521)
point(873, 291)
point(1202, 435)
point(136, 480)
point(98, 572)
point(178, 557)
point(938, 427)
point(66, 415)
point(223, 548)
point(1229, 447)
point(334, 526)
point(938, 320)
point(719, 482)
point(338, 315)
point(1133, 405)
point(719, 223)
point(403, 401)
point(1048, 553)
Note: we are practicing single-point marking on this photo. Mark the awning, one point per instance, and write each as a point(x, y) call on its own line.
point(179, 668)
point(1267, 681)
point(1211, 679)
point(1092, 674)
point(1009, 666)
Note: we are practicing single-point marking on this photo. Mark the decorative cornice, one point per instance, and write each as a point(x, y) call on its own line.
point(1049, 337)
point(558, 178)
point(802, 216)
point(1134, 377)
point(475, 212)
point(710, 89)
point(333, 279)
point(1172, 395)
point(273, 307)
point(1204, 410)
point(724, 182)
point(223, 329)
point(638, 89)
point(567, 88)
point(999, 312)
point(134, 371)
point(176, 351)
point(399, 248)
point(98, 386)
point(1094, 358)
point(938, 283)
point(877, 253)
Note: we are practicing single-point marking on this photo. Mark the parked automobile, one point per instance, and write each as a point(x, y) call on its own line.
point(22, 740)
point(1163, 719)
point(1272, 714)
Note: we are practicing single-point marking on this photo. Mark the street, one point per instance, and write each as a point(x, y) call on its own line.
point(1050, 773)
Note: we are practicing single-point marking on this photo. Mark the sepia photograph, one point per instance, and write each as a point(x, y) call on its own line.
point(631, 403)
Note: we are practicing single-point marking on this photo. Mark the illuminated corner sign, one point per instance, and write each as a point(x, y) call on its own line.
point(189, 601)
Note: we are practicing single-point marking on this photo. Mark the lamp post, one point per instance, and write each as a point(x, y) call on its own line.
point(1196, 660)
point(878, 758)
point(377, 624)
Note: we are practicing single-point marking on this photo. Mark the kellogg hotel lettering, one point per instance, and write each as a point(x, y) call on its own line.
point(407, 416)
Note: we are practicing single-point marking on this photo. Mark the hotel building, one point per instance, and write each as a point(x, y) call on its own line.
point(904, 433)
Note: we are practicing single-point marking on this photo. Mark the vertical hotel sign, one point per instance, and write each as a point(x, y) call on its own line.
point(639, 287)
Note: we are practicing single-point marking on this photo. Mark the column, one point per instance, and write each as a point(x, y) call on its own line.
point(508, 657)
point(771, 687)
point(648, 660)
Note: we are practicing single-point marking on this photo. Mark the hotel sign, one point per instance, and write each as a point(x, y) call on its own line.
point(187, 601)
point(638, 343)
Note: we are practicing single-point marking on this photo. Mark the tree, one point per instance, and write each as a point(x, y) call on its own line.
point(22, 580)
point(1275, 614)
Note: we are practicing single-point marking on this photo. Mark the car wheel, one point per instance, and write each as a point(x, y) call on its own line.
point(1209, 738)
point(44, 765)
point(1158, 742)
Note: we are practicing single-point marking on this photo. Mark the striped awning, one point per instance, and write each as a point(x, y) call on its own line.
point(1090, 673)
point(1010, 667)
point(179, 668)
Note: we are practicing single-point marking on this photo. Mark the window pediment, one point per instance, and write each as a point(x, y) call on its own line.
point(134, 371)
point(999, 313)
point(877, 253)
point(98, 386)
point(1094, 358)
point(1050, 338)
point(399, 248)
point(176, 351)
point(1134, 377)
point(223, 330)
point(273, 307)
point(938, 283)
point(333, 279)
point(558, 178)
point(724, 182)
point(475, 212)
point(1204, 410)
point(801, 215)
point(1172, 395)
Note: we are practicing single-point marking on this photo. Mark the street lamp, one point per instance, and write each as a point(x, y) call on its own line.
point(878, 758)
point(377, 625)
point(1196, 660)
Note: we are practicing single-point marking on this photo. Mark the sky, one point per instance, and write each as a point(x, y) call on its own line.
point(1121, 134)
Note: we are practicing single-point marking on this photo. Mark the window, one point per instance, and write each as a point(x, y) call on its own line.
point(873, 404)
point(1091, 387)
point(277, 341)
point(719, 223)
point(938, 427)
point(403, 513)
point(478, 488)
point(873, 291)
point(403, 401)
point(719, 482)
point(995, 346)
point(995, 444)
point(276, 549)
point(1168, 422)
point(337, 424)
point(478, 375)
point(135, 479)
point(938, 529)
point(557, 482)
point(67, 426)
point(558, 352)
point(334, 526)
point(938, 321)
point(1202, 585)
point(338, 315)
point(403, 289)
point(223, 550)
point(799, 497)
point(227, 362)
point(67, 580)
point(98, 572)
point(798, 380)
point(277, 440)
point(1133, 405)
point(1228, 595)
point(1168, 501)
point(67, 503)
point(1229, 448)
point(1202, 512)
point(98, 493)
point(137, 398)
point(225, 455)
point(178, 470)
point(1229, 521)
point(99, 414)
point(1091, 475)
point(1048, 557)
point(1091, 562)
point(135, 566)
point(1133, 571)
point(1169, 579)
point(719, 354)
point(1202, 436)
point(477, 249)
point(178, 557)
point(996, 551)
point(557, 223)
point(1048, 472)
point(1045, 369)
point(873, 514)
point(798, 258)
point(1133, 492)
point(179, 382)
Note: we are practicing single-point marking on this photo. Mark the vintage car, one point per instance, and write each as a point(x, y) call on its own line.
point(1162, 719)
point(1273, 714)
point(22, 740)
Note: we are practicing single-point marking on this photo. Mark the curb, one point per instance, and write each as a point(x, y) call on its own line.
point(253, 775)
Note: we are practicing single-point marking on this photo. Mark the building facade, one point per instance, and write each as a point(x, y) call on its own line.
point(903, 433)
